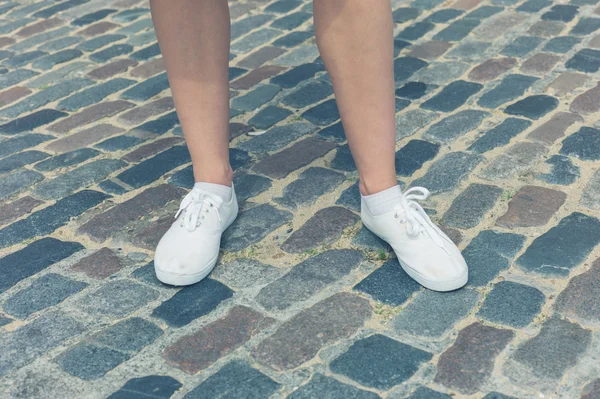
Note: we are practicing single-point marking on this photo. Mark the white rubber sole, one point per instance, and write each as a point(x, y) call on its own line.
point(441, 286)
point(184, 279)
point(179, 280)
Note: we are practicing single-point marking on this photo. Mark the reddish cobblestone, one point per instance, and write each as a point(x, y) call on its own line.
point(148, 69)
point(109, 70)
point(39, 27)
point(90, 114)
point(101, 264)
point(199, 350)
point(13, 94)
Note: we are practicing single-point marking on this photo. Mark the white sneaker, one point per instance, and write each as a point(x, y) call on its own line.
point(425, 253)
point(189, 249)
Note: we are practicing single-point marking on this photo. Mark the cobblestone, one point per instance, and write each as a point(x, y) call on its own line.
point(308, 277)
point(300, 338)
point(495, 106)
point(389, 362)
point(469, 362)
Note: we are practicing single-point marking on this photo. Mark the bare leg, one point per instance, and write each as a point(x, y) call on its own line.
point(355, 38)
point(194, 40)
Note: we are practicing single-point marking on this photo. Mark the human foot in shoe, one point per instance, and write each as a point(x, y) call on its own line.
point(189, 249)
point(425, 253)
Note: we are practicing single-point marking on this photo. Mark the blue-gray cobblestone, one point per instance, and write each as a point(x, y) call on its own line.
point(511, 87)
point(236, 380)
point(499, 135)
point(46, 220)
point(380, 362)
point(452, 96)
point(49, 61)
point(389, 284)
point(119, 143)
point(94, 95)
point(22, 59)
point(308, 277)
point(31, 121)
point(13, 77)
point(577, 234)
point(92, 17)
point(15, 161)
point(192, 302)
point(67, 159)
point(16, 144)
point(159, 386)
point(146, 53)
point(45, 96)
point(489, 253)
point(310, 185)
point(277, 137)
point(32, 259)
point(252, 226)
point(585, 144)
point(46, 291)
point(50, 330)
point(111, 52)
point(99, 42)
point(70, 181)
point(443, 310)
point(454, 126)
point(511, 303)
point(563, 171)
point(18, 181)
point(255, 98)
point(561, 44)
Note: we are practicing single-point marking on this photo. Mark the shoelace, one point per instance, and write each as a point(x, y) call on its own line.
point(194, 204)
point(415, 216)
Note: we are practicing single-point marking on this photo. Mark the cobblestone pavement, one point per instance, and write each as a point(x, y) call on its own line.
point(497, 106)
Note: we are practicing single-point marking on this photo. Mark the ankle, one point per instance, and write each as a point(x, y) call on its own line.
point(370, 188)
point(223, 176)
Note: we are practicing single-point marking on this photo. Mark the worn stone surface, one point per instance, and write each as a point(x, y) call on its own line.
point(192, 302)
point(469, 362)
point(299, 154)
point(195, 352)
point(470, 207)
point(253, 225)
point(591, 194)
point(517, 160)
point(554, 350)
point(103, 225)
point(44, 292)
point(100, 264)
point(448, 171)
point(388, 284)
point(555, 128)
point(495, 112)
point(512, 304)
point(325, 227)
point(389, 362)
point(443, 310)
point(566, 253)
point(577, 300)
point(327, 387)
point(532, 206)
point(300, 338)
point(308, 277)
point(489, 253)
point(153, 385)
point(235, 380)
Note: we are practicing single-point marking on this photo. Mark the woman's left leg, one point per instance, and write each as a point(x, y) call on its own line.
point(355, 38)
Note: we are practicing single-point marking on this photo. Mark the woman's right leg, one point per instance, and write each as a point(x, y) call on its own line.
point(194, 41)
